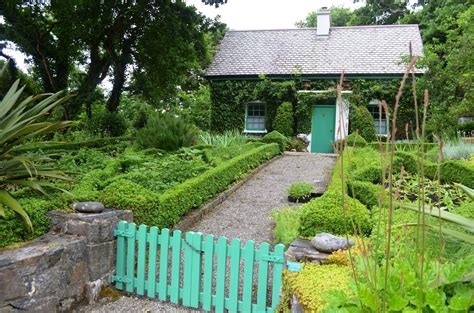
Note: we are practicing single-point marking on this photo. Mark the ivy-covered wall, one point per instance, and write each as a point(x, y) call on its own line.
point(229, 98)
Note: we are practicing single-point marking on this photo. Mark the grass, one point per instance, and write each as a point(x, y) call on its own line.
point(226, 139)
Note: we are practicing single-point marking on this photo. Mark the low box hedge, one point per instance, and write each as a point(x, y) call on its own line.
point(64, 146)
point(166, 210)
point(404, 146)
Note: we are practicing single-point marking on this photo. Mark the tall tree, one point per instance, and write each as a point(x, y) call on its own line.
point(163, 39)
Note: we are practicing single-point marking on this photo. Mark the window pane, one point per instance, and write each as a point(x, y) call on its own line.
point(255, 116)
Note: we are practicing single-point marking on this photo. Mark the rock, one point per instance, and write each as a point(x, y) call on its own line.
point(301, 250)
point(328, 243)
point(88, 207)
point(303, 137)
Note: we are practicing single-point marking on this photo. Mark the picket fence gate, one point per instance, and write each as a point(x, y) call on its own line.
point(138, 254)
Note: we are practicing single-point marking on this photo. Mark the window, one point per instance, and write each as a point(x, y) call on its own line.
point(255, 117)
point(380, 121)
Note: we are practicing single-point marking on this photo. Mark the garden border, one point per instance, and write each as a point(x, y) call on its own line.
point(194, 216)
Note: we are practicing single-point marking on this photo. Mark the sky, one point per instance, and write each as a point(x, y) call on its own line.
point(267, 14)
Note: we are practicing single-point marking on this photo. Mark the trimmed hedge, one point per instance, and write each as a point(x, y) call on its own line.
point(12, 227)
point(355, 140)
point(276, 137)
point(366, 192)
point(406, 159)
point(95, 143)
point(457, 171)
point(167, 209)
point(371, 173)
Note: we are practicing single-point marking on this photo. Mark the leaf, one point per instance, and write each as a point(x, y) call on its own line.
point(447, 231)
point(469, 192)
point(10, 202)
point(460, 220)
point(436, 299)
point(462, 300)
point(396, 302)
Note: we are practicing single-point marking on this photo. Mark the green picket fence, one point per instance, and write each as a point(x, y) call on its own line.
point(143, 267)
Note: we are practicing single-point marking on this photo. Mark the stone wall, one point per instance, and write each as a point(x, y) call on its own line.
point(63, 268)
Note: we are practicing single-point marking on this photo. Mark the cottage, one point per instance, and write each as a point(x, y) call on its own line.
point(254, 71)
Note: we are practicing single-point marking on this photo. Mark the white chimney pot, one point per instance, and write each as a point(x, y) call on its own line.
point(323, 22)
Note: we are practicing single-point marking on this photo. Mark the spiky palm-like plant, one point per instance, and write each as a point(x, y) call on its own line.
point(21, 120)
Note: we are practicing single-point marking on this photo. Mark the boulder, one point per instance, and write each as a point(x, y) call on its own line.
point(328, 243)
point(88, 207)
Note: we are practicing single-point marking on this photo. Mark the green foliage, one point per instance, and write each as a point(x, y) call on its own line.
point(404, 146)
point(55, 146)
point(300, 190)
point(195, 106)
point(226, 139)
point(12, 227)
point(276, 137)
point(314, 281)
point(287, 224)
point(458, 150)
point(355, 140)
point(283, 122)
point(329, 214)
point(445, 288)
point(372, 174)
point(408, 160)
point(166, 132)
point(361, 121)
point(20, 121)
point(166, 209)
point(367, 193)
point(297, 145)
point(458, 171)
point(105, 123)
point(303, 112)
point(229, 99)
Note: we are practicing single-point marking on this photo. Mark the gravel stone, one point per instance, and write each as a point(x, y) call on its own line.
point(245, 214)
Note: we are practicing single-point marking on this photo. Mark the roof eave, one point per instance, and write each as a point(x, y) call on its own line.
point(374, 76)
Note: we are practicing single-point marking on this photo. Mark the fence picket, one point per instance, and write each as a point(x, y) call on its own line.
point(196, 270)
point(262, 277)
point(141, 236)
point(277, 270)
point(120, 261)
point(221, 272)
point(188, 267)
point(249, 256)
point(234, 275)
point(176, 265)
point(153, 241)
point(208, 270)
point(164, 248)
point(131, 256)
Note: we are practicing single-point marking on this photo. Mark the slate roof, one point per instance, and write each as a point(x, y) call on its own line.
point(359, 50)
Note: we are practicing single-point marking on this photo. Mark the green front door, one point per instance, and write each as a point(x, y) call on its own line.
point(322, 128)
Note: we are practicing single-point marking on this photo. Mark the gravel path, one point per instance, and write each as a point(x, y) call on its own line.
point(244, 215)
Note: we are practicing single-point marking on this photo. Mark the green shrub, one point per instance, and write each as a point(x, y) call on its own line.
point(370, 173)
point(404, 146)
point(326, 214)
point(106, 123)
point(363, 122)
point(458, 171)
point(355, 140)
point(297, 145)
point(226, 139)
point(165, 210)
point(300, 190)
point(166, 132)
point(366, 192)
point(278, 138)
point(287, 224)
point(406, 159)
point(457, 150)
point(12, 227)
point(283, 122)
